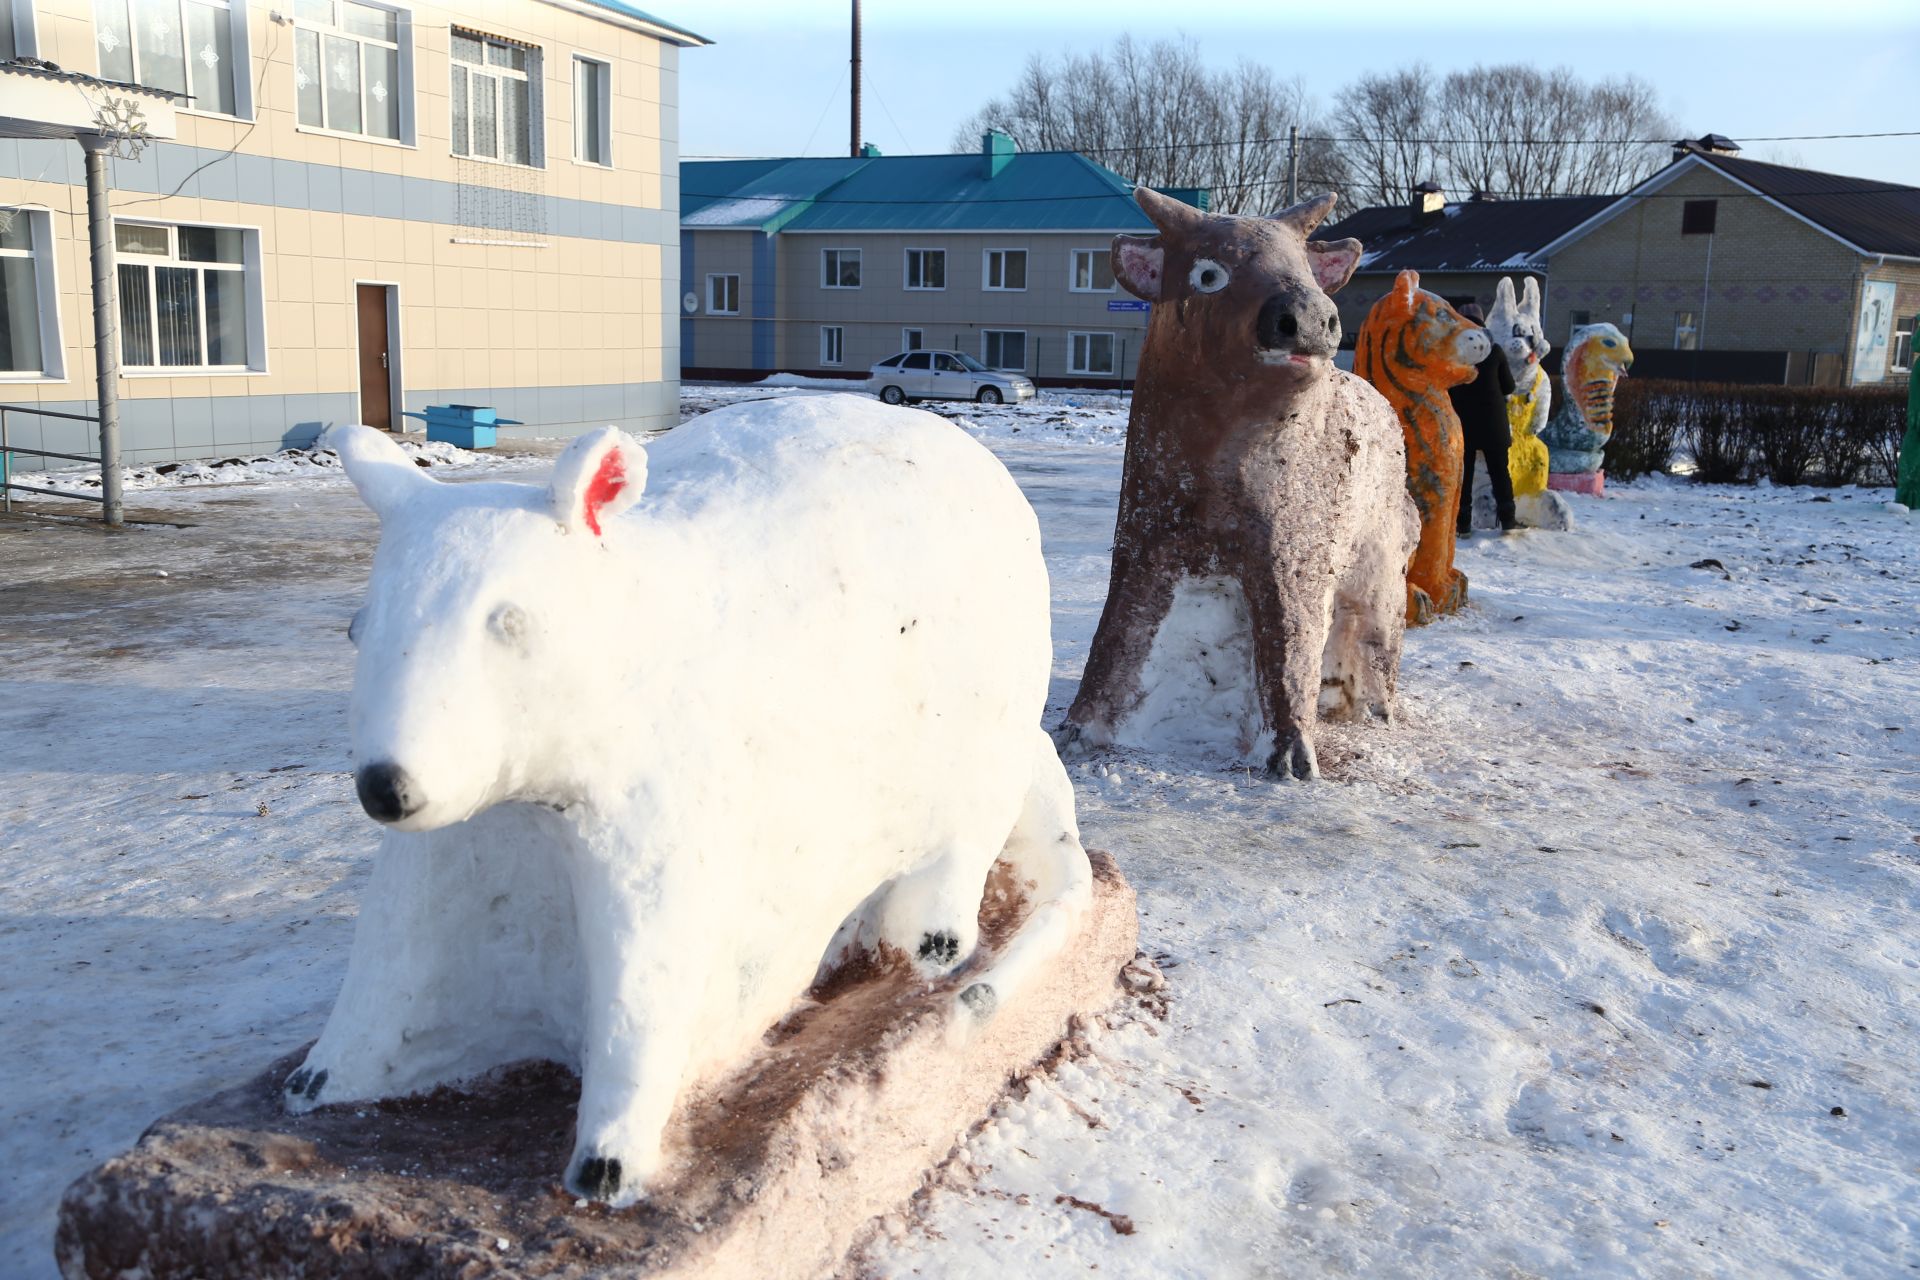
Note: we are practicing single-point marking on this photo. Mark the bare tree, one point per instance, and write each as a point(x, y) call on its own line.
point(1157, 115)
point(1387, 123)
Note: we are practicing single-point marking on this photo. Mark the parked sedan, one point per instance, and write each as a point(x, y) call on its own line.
point(944, 375)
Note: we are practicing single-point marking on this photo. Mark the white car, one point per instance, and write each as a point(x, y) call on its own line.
point(944, 375)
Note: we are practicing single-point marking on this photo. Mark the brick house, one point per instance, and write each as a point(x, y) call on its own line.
point(822, 266)
point(1715, 267)
point(1759, 271)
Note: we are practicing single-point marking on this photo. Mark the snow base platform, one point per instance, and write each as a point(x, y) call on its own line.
point(1591, 483)
point(779, 1169)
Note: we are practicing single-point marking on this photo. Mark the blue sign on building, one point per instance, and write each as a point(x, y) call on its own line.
point(1126, 304)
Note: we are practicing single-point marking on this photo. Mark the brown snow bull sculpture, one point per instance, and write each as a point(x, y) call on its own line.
point(1254, 467)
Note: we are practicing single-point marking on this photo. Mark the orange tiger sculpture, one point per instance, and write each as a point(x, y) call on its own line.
point(1412, 347)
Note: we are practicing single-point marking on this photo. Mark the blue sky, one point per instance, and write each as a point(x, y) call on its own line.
point(775, 81)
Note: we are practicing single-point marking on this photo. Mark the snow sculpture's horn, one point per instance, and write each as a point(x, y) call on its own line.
point(1173, 217)
point(601, 474)
point(1309, 213)
point(379, 469)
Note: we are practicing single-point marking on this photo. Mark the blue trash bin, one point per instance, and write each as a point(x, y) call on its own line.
point(469, 426)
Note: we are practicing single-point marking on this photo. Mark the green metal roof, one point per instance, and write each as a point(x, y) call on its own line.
point(1033, 191)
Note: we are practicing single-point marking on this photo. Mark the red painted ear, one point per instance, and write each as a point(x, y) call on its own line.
point(1333, 262)
point(1140, 264)
point(600, 475)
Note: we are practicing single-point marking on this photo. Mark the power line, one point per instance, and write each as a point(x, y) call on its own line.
point(1430, 142)
point(1270, 182)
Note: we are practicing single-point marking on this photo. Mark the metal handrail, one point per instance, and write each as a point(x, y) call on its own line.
point(8, 449)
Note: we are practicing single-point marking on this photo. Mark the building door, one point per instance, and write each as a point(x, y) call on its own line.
point(376, 358)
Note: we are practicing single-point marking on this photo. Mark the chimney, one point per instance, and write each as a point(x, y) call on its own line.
point(1710, 144)
point(1428, 203)
point(996, 150)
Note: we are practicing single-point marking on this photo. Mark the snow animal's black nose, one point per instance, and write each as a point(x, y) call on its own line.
point(386, 792)
point(1299, 321)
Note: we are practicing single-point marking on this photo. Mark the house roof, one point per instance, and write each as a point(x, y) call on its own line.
point(1868, 215)
point(1033, 191)
point(1485, 235)
point(641, 15)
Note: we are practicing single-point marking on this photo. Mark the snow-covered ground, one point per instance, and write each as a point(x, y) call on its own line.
point(1602, 961)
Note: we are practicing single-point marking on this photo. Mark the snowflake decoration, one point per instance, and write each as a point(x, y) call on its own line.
point(343, 71)
point(109, 39)
point(124, 122)
point(159, 28)
point(301, 80)
point(208, 58)
point(6, 220)
point(379, 91)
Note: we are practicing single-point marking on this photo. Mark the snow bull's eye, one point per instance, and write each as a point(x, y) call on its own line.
point(1208, 276)
point(508, 625)
point(353, 627)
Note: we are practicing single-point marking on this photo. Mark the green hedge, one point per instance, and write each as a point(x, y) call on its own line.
point(1737, 434)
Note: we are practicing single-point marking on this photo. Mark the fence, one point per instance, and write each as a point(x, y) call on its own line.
point(8, 486)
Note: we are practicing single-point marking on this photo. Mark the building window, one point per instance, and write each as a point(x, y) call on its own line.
point(1576, 320)
point(1006, 269)
point(1697, 217)
point(495, 107)
point(839, 268)
point(1090, 353)
point(592, 111)
point(347, 68)
point(1092, 271)
point(926, 268)
point(723, 295)
point(185, 46)
point(1004, 349)
point(29, 328)
point(913, 339)
point(189, 296)
point(1686, 334)
point(1901, 353)
point(833, 344)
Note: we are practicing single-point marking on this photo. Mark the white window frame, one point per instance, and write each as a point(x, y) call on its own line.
point(1901, 329)
point(833, 342)
point(828, 279)
point(916, 343)
point(1002, 368)
point(26, 41)
point(530, 72)
point(252, 282)
point(906, 271)
point(1687, 324)
point(712, 278)
point(603, 107)
point(1094, 257)
point(240, 49)
point(1113, 353)
point(402, 45)
point(987, 259)
point(53, 351)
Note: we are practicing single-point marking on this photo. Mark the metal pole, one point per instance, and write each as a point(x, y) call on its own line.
point(854, 146)
point(6, 465)
point(1293, 165)
point(106, 327)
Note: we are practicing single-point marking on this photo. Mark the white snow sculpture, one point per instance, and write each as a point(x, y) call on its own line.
point(643, 758)
point(1516, 328)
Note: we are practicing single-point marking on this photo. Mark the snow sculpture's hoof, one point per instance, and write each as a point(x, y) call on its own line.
point(776, 1169)
point(596, 1178)
point(1294, 760)
point(939, 949)
point(304, 1085)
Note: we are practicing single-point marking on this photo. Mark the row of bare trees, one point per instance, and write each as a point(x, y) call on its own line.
point(1157, 114)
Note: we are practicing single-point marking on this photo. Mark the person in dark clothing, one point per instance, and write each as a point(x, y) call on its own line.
point(1482, 406)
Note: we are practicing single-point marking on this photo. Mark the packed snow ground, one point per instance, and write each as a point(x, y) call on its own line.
point(1566, 973)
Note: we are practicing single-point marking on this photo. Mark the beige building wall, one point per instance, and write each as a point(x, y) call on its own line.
point(548, 291)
